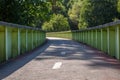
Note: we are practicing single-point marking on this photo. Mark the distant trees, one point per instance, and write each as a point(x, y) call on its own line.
point(57, 15)
point(97, 12)
point(74, 13)
point(57, 23)
point(58, 20)
point(25, 12)
point(90, 13)
point(118, 9)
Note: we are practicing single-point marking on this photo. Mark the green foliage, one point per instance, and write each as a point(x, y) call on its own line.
point(57, 23)
point(59, 14)
point(9, 10)
point(118, 9)
point(25, 12)
point(97, 12)
point(74, 13)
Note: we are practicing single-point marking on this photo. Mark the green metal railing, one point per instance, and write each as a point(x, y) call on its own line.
point(17, 39)
point(104, 37)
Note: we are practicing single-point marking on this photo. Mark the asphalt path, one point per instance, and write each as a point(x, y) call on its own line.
point(62, 59)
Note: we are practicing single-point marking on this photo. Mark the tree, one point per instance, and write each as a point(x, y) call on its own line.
point(57, 23)
point(9, 10)
point(25, 12)
point(97, 12)
point(118, 9)
point(74, 13)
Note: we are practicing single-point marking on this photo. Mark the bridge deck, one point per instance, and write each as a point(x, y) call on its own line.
point(62, 59)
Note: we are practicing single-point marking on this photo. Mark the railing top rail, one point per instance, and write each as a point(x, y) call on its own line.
point(17, 26)
point(111, 24)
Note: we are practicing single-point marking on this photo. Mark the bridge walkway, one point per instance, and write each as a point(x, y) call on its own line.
point(62, 59)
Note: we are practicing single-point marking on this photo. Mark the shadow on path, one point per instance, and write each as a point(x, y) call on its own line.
point(13, 65)
point(52, 50)
point(78, 51)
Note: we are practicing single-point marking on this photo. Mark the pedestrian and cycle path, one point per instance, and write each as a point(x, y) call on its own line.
point(62, 59)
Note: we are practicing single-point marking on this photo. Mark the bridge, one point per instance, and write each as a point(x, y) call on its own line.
point(89, 54)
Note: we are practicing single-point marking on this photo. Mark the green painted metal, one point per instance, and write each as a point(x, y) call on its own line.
point(17, 39)
point(2, 44)
point(36, 38)
point(104, 40)
point(14, 43)
point(8, 42)
point(32, 39)
point(94, 38)
point(112, 42)
point(89, 37)
point(117, 42)
point(26, 34)
point(108, 41)
point(23, 41)
point(29, 40)
point(99, 40)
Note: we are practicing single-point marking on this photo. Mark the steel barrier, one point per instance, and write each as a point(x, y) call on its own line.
point(17, 39)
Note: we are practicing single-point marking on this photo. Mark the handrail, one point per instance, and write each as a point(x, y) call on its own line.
point(110, 24)
point(17, 39)
point(104, 37)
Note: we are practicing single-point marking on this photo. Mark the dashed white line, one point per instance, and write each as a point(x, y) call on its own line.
point(57, 65)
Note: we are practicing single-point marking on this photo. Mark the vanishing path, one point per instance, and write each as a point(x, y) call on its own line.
point(62, 59)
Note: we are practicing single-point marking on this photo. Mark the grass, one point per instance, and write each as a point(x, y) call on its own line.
point(65, 34)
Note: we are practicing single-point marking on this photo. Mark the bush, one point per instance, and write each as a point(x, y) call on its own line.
point(57, 23)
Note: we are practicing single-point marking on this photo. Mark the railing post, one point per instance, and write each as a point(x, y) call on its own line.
point(2, 44)
point(80, 36)
point(19, 41)
point(92, 38)
point(108, 40)
point(26, 39)
point(36, 38)
point(32, 39)
point(23, 40)
point(83, 36)
point(96, 38)
point(29, 40)
point(101, 39)
point(89, 37)
point(6, 43)
point(117, 43)
point(40, 38)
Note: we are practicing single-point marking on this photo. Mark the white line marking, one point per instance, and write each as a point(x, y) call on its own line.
point(63, 53)
point(57, 65)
